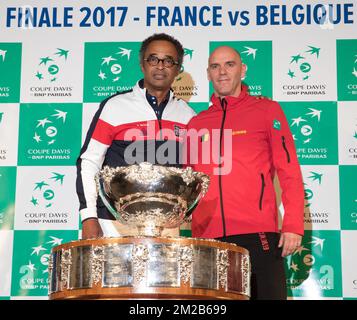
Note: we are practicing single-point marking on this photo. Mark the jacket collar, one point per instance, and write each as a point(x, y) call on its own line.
point(139, 89)
point(230, 100)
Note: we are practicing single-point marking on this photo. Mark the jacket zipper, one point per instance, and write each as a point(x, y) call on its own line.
point(286, 149)
point(160, 124)
point(160, 127)
point(224, 108)
point(159, 120)
point(261, 192)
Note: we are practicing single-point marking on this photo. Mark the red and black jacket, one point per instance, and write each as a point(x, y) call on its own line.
point(242, 199)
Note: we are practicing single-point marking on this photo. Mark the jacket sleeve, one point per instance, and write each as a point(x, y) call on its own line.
point(287, 167)
point(90, 161)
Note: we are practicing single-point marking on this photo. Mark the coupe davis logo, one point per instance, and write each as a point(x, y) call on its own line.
point(301, 64)
point(302, 126)
point(49, 67)
point(46, 129)
point(35, 272)
point(112, 66)
point(314, 269)
point(305, 252)
point(44, 190)
point(309, 194)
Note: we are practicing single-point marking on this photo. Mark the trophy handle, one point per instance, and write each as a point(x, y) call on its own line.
point(194, 203)
point(188, 217)
point(103, 195)
point(204, 187)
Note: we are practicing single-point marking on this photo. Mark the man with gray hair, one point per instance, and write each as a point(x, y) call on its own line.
point(143, 124)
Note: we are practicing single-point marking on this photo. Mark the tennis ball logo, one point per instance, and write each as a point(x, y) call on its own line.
point(48, 194)
point(51, 131)
point(45, 259)
point(309, 260)
point(306, 130)
point(53, 69)
point(116, 68)
point(305, 67)
point(308, 194)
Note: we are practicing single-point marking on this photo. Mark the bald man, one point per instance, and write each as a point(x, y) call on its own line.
point(254, 143)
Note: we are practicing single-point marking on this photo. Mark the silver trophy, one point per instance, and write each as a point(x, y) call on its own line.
point(151, 197)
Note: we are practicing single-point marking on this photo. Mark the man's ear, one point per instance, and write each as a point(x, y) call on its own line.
point(178, 69)
point(141, 67)
point(208, 76)
point(244, 71)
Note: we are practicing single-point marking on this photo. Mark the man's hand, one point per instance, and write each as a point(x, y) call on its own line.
point(290, 242)
point(91, 229)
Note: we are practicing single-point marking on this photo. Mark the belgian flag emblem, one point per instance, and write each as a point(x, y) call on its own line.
point(205, 137)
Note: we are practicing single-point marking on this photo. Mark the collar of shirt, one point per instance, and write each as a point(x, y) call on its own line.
point(159, 109)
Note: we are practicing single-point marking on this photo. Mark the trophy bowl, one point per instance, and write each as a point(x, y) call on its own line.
point(151, 197)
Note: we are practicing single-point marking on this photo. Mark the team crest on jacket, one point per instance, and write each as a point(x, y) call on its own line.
point(205, 137)
point(276, 124)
